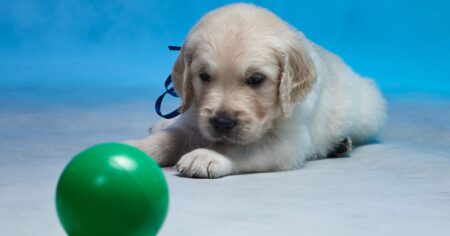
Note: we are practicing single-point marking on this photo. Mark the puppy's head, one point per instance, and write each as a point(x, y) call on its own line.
point(241, 68)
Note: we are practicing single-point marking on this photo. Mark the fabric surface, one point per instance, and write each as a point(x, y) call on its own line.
point(399, 185)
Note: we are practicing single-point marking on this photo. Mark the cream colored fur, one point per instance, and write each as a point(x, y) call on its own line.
point(309, 101)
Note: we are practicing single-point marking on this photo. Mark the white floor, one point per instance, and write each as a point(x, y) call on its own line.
point(399, 186)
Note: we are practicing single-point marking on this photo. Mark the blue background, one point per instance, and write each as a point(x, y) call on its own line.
point(77, 45)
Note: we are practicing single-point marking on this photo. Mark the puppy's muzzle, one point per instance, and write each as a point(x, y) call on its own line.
point(223, 122)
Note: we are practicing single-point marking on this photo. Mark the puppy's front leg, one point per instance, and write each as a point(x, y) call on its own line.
point(164, 146)
point(222, 160)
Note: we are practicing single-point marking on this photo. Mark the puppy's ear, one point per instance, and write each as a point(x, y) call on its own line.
point(182, 79)
point(298, 75)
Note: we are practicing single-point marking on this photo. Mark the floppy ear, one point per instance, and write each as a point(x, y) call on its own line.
point(297, 78)
point(182, 79)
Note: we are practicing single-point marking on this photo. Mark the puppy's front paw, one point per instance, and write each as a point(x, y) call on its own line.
point(204, 163)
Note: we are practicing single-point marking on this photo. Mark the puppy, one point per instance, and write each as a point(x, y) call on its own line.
point(258, 96)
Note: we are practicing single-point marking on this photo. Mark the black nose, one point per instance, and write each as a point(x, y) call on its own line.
point(223, 122)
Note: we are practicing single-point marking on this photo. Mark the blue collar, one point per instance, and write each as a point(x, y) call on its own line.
point(169, 90)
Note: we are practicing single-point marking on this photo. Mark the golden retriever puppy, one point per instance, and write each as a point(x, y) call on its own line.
point(258, 96)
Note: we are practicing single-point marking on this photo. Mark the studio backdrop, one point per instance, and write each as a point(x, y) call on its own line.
point(77, 44)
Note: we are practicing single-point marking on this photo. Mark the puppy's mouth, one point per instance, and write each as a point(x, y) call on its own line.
point(229, 137)
point(213, 135)
point(235, 137)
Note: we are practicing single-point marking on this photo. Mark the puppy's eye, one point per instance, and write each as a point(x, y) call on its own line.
point(255, 79)
point(204, 77)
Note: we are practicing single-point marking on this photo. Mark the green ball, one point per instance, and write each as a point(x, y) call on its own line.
point(112, 189)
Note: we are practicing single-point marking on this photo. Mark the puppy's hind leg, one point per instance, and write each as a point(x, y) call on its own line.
point(342, 149)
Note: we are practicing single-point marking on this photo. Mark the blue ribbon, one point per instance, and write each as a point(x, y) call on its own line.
point(169, 90)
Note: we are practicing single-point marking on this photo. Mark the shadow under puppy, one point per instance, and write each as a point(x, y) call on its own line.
point(258, 96)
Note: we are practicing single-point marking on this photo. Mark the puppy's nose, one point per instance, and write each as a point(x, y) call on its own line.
point(223, 122)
